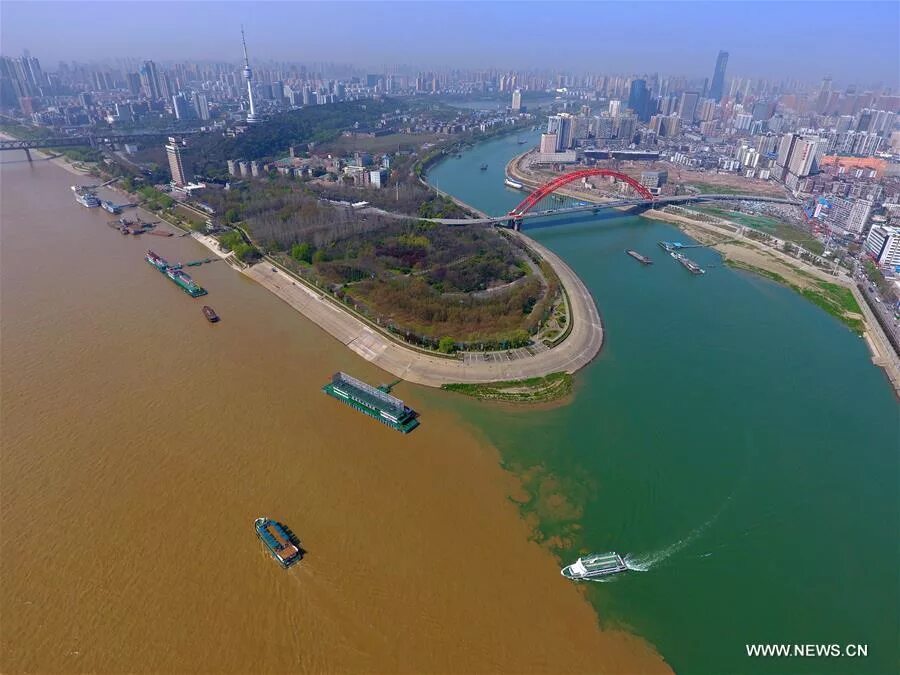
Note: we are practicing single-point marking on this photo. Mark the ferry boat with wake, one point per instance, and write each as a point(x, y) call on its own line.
point(595, 565)
point(281, 542)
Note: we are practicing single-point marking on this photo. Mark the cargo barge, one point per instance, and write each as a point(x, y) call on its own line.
point(181, 279)
point(158, 262)
point(373, 402)
point(595, 565)
point(644, 260)
point(279, 540)
point(210, 314)
point(184, 282)
point(689, 264)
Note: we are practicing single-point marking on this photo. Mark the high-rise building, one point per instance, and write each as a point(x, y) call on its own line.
point(625, 127)
point(201, 106)
point(883, 244)
point(548, 143)
point(742, 121)
point(517, 100)
point(181, 107)
point(797, 158)
point(687, 107)
point(150, 81)
point(248, 76)
point(565, 127)
point(803, 156)
point(718, 80)
point(603, 127)
point(851, 215)
point(639, 100)
point(707, 110)
point(763, 110)
point(278, 92)
point(176, 161)
point(134, 83)
point(614, 106)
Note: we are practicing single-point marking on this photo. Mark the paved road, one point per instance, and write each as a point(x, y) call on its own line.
point(575, 352)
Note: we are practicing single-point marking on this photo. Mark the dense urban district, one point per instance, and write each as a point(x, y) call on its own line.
point(323, 176)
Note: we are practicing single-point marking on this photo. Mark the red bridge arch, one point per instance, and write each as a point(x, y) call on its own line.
point(548, 188)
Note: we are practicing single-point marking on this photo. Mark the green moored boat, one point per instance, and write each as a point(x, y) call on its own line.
point(373, 402)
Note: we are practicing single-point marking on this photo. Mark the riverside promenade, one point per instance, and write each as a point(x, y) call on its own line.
point(413, 365)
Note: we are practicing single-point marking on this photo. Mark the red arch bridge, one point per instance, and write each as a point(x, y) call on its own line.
point(642, 197)
point(550, 187)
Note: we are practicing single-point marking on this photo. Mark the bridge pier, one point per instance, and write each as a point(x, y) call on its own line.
point(28, 154)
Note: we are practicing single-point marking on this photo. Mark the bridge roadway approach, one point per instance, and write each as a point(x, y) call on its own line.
point(514, 221)
point(84, 141)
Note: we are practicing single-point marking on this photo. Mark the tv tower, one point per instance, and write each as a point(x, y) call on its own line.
point(248, 75)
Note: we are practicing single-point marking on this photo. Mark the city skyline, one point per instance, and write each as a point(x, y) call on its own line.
point(491, 36)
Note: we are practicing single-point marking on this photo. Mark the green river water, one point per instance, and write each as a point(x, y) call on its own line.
point(732, 438)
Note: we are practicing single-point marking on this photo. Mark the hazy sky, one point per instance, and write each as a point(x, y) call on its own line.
point(852, 41)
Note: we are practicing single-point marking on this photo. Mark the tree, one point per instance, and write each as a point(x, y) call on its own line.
point(446, 345)
point(520, 337)
point(302, 252)
point(232, 216)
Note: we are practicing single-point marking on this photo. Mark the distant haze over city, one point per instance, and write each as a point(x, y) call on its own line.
point(855, 43)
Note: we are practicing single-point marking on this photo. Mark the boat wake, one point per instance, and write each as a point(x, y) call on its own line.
point(647, 561)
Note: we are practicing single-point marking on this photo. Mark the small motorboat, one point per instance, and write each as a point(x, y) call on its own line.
point(210, 314)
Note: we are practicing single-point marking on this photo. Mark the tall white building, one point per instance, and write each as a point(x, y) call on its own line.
point(548, 143)
point(614, 107)
point(851, 215)
point(248, 75)
point(883, 244)
point(517, 100)
point(176, 162)
point(803, 157)
point(797, 155)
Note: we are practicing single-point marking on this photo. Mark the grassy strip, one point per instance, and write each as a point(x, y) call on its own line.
point(834, 299)
point(532, 390)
